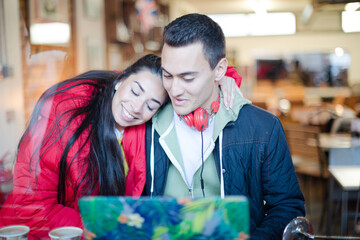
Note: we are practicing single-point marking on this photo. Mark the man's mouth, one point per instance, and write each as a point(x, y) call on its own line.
point(179, 101)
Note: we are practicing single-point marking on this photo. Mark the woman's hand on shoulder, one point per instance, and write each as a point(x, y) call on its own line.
point(228, 88)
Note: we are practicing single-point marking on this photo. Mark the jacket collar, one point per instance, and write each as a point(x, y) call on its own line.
point(224, 116)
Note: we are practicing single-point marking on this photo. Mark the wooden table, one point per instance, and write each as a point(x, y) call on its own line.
point(348, 178)
point(335, 140)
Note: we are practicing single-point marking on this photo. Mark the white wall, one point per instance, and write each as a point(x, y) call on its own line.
point(11, 88)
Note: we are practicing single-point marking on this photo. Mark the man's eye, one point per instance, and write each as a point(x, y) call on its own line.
point(167, 76)
point(136, 94)
point(188, 79)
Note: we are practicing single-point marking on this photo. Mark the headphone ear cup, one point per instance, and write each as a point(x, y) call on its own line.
point(215, 106)
point(189, 119)
point(201, 118)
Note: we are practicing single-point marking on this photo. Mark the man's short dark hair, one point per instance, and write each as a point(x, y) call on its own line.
point(193, 28)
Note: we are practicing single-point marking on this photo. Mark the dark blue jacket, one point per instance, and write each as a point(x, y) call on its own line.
point(257, 163)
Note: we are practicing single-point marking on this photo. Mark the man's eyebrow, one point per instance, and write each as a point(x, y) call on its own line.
point(141, 88)
point(163, 69)
point(187, 73)
point(180, 74)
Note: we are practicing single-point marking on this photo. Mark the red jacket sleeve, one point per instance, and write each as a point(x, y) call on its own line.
point(231, 72)
point(133, 143)
point(33, 201)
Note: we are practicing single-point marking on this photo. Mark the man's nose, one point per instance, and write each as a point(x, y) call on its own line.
point(176, 88)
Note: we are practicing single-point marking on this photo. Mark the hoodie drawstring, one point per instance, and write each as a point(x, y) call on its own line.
point(152, 163)
point(222, 188)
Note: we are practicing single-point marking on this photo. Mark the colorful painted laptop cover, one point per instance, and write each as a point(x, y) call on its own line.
point(164, 218)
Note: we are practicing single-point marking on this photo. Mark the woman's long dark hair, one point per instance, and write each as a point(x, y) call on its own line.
point(104, 162)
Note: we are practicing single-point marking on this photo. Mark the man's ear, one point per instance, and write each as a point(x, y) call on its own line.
point(220, 69)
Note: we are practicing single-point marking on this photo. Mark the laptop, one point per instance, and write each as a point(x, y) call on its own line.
point(165, 218)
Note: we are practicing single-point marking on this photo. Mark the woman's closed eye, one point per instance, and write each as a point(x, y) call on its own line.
point(149, 107)
point(134, 92)
point(153, 104)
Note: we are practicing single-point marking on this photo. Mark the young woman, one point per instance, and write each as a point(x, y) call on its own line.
point(71, 146)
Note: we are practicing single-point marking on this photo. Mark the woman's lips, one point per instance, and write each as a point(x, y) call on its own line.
point(127, 115)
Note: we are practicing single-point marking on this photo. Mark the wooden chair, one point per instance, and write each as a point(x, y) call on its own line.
point(309, 159)
point(341, 124)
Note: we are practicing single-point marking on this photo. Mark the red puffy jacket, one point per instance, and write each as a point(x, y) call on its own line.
point(33, 201)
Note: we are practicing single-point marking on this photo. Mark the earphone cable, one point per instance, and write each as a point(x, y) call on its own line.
point(202, 162)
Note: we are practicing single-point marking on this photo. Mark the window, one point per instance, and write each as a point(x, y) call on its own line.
point(49, 22)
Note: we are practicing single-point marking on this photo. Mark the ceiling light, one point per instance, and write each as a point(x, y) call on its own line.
point(353, 6)
point(339, 51)
point(350, 21)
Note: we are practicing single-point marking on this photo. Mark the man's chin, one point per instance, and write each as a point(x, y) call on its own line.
point(182, 111)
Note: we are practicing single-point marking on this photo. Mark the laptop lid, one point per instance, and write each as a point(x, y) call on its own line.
point(165, 217)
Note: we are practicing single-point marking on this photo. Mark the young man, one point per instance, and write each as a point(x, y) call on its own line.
point(238, 152)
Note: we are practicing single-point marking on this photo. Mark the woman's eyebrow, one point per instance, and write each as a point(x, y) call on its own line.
point(158, 102)
point(141, 88)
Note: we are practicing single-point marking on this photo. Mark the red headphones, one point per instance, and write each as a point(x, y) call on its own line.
point(200, 117)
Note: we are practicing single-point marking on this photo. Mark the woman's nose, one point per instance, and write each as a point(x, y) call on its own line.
point(137, 106)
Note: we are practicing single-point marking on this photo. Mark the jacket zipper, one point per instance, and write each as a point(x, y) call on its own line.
point(166, 175)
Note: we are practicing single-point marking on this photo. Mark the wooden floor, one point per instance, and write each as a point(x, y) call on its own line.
point(313, 190)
